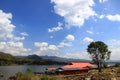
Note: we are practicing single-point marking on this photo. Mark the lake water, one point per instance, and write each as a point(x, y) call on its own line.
point(8, 71)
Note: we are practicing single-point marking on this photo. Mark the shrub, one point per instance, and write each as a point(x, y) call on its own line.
point(117, 65)
point(29, 71)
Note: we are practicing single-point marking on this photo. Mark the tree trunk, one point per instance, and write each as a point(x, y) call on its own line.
point(99, 66)
point(99, 69)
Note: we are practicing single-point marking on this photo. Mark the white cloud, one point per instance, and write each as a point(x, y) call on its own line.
point(115, 54)
point(67, 41)
point(14, 48)
point(77, 55)
point(103, 1)
point(90, 32)
point(101, 16)
point(75, 12)
point(10, 43)
point(24, 34)
point(114, 43)
point(6, 28)
point(113, 17)
point(87, 39)
point(114, 46)
point(19, 38)
point(45, 49)
point(70, 37)
point(64, 44)
point(55, 29)
point(52, 47)
point(44, 46)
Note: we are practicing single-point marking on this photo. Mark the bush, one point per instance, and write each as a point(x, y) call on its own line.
point(117, 65)
point(105, 65)
point(29, 71)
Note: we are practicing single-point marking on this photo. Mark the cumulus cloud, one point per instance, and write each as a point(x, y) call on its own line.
point(103, 1)
point(70, 37)
point(114, 46)
point(87, 39)
point(90, 32)
point(64, 44)
point(10, 43)
point(24, 34)
point(67, 41)
point(6, 28)
point(113, 17)
point(101, 16)
point(45, 49)
point(75, 12)
point(14, 48)
point(115, 54)
point(52, 47)
point(44, 46)
point(77, 55)
point(19, 38)
point(55, 29)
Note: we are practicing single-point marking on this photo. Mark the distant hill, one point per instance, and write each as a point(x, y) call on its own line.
point(53, 58)
point(6, 56)
point(7, 59)
point(34, 57)
point(60, 59)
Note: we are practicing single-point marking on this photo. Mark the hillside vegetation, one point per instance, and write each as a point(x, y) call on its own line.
point(7, 59)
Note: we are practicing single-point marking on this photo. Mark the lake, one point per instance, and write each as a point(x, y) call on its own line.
point(8, 71)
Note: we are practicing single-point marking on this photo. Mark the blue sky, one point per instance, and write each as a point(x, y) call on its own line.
point(61, 28)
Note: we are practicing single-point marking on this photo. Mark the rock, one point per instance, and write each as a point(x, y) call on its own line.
point(87, 78)
point(1, 75)
point(113, 79)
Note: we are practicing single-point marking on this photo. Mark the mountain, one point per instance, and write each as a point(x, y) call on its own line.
point(7, 59)
point(5, 56)
point(34, 57)
point(113, 61)
point(54, 58)
point(60, 59)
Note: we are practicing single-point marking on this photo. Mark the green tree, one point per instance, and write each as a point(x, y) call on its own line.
point(99, 53)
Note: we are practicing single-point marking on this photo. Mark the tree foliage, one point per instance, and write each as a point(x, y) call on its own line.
point(99, 53)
